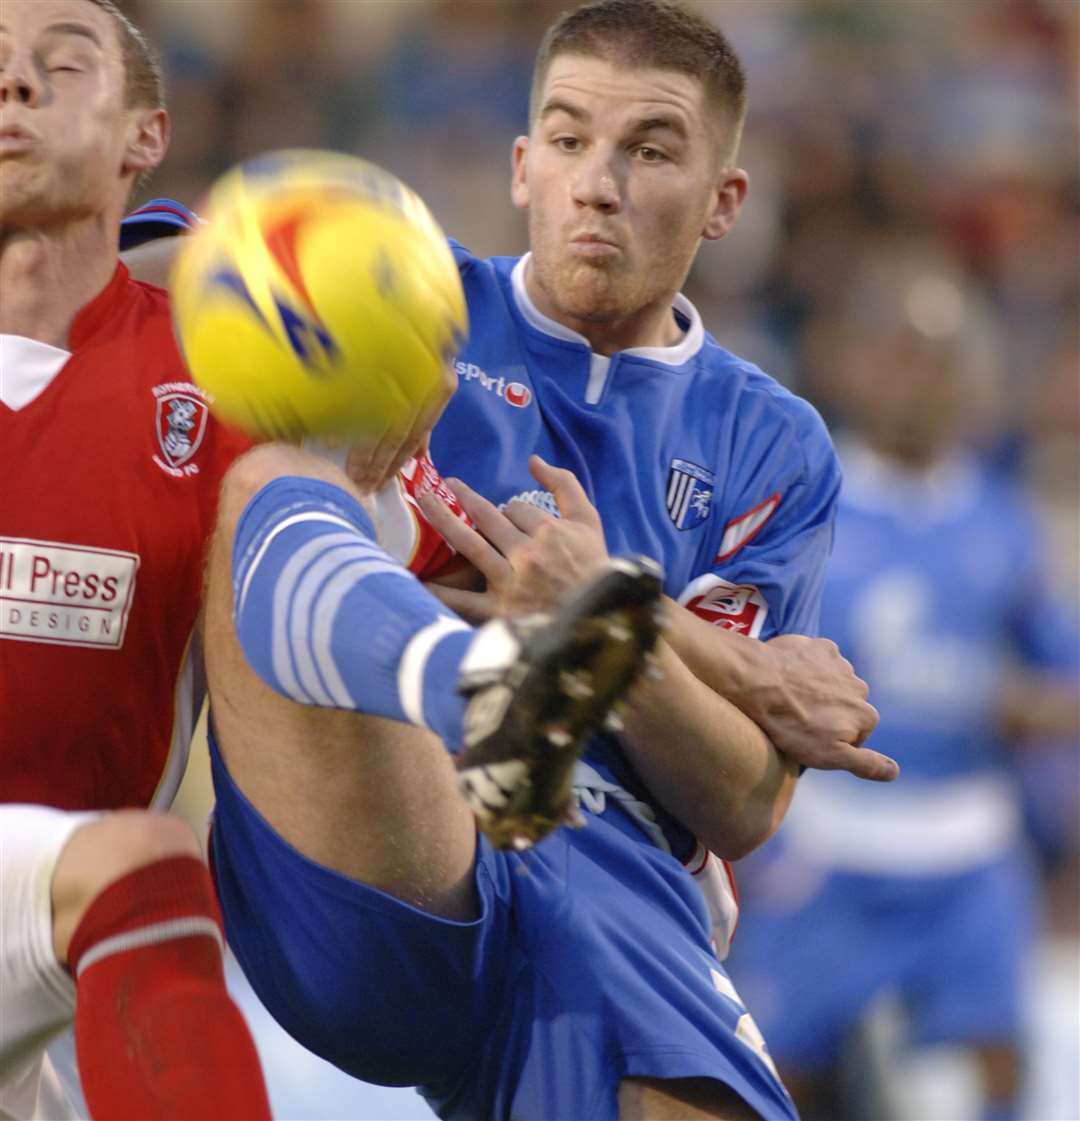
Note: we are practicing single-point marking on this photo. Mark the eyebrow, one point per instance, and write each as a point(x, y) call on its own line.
point(662, 121)
point(568, 107)
point(670, 124)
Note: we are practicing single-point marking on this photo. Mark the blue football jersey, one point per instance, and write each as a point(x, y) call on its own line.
point(935, 587)
point(692, 456)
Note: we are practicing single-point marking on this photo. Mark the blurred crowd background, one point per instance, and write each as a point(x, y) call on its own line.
point(913, 164)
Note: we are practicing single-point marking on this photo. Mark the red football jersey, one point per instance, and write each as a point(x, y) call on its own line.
point(111, 465)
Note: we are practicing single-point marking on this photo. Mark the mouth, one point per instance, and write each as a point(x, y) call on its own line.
point(593, 247)
point(593, 239)
point(15, 138)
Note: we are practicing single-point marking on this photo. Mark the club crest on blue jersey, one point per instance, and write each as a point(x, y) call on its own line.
point(689, 493)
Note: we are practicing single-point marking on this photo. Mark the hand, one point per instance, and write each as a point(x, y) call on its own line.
point(814, 709)
point(532, 561)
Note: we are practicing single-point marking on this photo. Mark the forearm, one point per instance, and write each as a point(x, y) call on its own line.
point(706, 763)
point(1039, 704)
point(728, 662)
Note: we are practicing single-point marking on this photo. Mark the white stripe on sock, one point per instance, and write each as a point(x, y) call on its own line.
point(307, 594)
point(309, 516)
point(196, 925)
point(280, 640)
point(319, 635)
point(414, 661)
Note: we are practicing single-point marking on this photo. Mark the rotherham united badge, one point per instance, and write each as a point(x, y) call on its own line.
point(180, 424)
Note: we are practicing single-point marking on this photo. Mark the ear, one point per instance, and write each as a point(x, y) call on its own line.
point(519, 186)
point(726, 204)
point(148, 139)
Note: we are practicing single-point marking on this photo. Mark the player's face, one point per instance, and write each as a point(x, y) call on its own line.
point(66, 136)
point(622, 176)
point(905, 394)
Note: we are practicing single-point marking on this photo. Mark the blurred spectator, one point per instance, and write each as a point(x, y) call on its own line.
point(939, 595)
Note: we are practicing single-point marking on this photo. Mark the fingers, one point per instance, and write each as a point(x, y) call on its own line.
point(462, 537)
point(527, 517)
point(490, 520)
point(473, 607)
point(870, 718)
point(864, 763)
point(873, 766)
point(567, 491)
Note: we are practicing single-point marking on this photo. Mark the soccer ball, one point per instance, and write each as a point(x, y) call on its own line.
point(319, 298)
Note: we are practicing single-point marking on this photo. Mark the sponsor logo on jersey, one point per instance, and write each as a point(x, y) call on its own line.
point(512, 392)
point(180, 422)
point(71, 595)
point(689, 493)
point(735, 607)
point(741, 531)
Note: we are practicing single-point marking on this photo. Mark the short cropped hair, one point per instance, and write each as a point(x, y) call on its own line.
point(143, 84)
point(649, 33)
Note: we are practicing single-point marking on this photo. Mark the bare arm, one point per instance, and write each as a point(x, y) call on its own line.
point(801, 691)
point(706, 763)
point(152, 260)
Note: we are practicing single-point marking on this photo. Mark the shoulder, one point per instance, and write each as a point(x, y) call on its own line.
point(474, 268)
point(765, 413)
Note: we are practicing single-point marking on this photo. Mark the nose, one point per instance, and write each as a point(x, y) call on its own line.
point(596, 184)
point(18, 83)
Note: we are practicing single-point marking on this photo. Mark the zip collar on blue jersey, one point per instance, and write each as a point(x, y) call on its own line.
point(677, 355)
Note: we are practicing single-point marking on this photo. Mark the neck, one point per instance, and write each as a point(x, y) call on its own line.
point(653, 325)
point(909, 455)
point(47, 274)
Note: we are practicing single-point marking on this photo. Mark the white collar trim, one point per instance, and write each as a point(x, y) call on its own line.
point(677, 355)
point(27, 368)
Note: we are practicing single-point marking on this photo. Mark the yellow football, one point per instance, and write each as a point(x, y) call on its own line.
point(320, 297)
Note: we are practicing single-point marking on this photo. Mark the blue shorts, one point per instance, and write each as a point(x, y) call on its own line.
point(589, 963)
point(953, 947)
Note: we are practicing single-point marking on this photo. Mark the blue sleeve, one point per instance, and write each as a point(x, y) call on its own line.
point(768, 567)
point(158, 218)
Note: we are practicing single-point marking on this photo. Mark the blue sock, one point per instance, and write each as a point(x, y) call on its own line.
point(327, 618)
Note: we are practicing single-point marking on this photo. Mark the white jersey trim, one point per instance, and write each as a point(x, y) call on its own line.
point(677, 355)
point(27, 369)
point(188, 697)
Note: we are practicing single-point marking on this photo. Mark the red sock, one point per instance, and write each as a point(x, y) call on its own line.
point(156, 1033)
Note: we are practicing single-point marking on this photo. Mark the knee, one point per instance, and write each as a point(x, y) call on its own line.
point(106, 850)
point(252, 471)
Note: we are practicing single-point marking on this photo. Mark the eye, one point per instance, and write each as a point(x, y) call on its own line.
point(568, 143)
point(650, 155)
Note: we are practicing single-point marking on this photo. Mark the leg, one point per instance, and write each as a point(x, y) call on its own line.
point(371, 798)
point(88, 930)
point(681, 1099)
point(136, 922)
point(331, 623)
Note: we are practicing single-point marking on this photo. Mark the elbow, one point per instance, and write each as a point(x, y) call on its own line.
point(739, 838)
point(737, 834)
